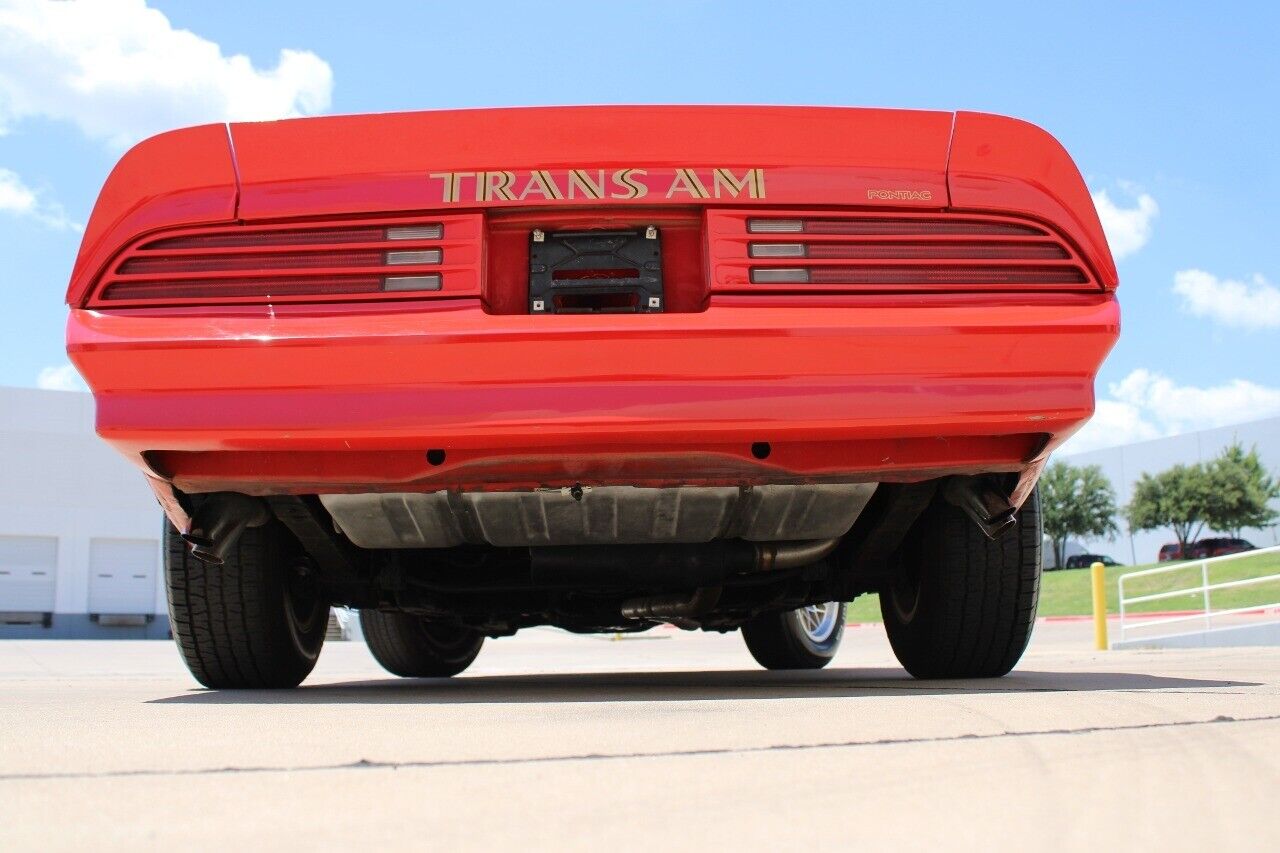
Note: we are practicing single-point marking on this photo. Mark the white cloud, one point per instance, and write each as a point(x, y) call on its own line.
point(61, 378)
point(1127, 228)
point(18, 199)
point(120, 71)
point(1182, 408)
point(1249, 305)
point(1146, 405)
point(1113, 423)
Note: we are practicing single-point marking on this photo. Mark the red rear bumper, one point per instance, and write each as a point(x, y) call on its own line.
point(838, 388)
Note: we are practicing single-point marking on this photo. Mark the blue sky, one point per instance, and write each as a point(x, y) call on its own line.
point(1172, 110)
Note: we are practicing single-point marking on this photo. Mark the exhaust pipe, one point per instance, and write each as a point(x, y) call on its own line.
point(218, 523)
point(774, 556)
point(703, 564)
point(988, 508)
point(681, 611)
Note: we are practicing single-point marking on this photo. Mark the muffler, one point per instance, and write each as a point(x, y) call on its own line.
point(704, 566)
point(218, 523)
point(988, 508)
point(701, 564)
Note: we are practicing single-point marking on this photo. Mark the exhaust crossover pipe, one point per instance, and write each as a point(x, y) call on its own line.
point(218, 523)
point(988, 508)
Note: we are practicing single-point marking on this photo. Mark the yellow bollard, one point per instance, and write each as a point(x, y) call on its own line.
point(1098, 573)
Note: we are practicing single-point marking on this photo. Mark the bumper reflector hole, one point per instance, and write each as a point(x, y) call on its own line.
point(435, 457)
point(761, 450)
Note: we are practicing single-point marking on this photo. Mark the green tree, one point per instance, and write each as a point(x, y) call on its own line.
point(1178, 498)
point(1076, 501)
point(1242, 491)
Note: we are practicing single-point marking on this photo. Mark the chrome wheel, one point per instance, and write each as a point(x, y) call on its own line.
point(804, 638)
point(819, 621)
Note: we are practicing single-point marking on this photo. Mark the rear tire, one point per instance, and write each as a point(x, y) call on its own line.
point(805, 638)
point(964, 605)
point(413, 647)
point(256, 621)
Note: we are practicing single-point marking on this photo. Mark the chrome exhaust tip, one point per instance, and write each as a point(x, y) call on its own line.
point(218, 523)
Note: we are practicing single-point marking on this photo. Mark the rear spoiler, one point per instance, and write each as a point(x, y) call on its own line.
point(219, 174)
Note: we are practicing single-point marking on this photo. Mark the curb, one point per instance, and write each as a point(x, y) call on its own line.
point(1115, 617)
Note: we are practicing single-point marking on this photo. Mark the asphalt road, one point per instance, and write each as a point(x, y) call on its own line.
point(675, 742)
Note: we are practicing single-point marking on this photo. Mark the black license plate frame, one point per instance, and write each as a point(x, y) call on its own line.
point(596, 272)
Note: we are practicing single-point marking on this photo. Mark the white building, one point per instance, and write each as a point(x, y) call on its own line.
point(80, 530)
point(1124, 465)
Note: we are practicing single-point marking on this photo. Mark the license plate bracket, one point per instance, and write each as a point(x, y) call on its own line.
point(596, 272)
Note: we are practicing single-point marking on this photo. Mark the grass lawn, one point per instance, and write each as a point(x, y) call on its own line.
point(1067, 592)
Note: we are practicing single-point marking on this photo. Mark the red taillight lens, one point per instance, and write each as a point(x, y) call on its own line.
point(910, 251)
point(922, 275)
point(290, 237)
point(217, 263)
point(300, 237)
point(236, 287)
point(890, 226)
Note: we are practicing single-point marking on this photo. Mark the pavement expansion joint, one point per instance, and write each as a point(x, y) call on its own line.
point(367, 764)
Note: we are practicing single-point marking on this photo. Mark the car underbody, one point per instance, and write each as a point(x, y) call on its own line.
point(612, 559)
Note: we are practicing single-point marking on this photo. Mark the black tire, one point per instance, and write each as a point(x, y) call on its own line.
point(964, 605)
point(413, 647)
point(256, 621)
point(780, 641)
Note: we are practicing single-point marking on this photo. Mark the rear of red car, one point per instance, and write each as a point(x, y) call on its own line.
point(1219, 546)
point(408, 324)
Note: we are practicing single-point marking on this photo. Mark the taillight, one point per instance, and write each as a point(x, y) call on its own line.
point(910, 251)
point(393, 259)
point(860, 252)
point(925, 275)
point(885, 226)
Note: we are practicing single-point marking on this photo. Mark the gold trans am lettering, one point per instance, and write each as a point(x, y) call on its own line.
point(900, 195)
point(630, 184)
point(595, 184)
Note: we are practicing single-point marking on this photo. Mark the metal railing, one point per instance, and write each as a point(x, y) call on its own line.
point(1206, 614)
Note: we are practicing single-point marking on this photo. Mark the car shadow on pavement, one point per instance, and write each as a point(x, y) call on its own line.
point(686, 686)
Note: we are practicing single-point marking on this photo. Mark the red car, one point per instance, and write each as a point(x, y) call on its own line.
point(602, 368)
point(1219, 546)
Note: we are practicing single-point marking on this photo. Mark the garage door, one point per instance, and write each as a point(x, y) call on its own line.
point(122, 575)
point(28, 567)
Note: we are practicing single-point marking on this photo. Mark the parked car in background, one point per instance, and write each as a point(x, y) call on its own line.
point(1172, 551)
point(1218, 546)
point(1084, 561)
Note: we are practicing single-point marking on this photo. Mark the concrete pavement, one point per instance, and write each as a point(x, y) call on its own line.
point(668, 740)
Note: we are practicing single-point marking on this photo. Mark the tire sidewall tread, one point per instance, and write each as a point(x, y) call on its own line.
point(412, 647)
point(230, 621)
point(978, 597)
